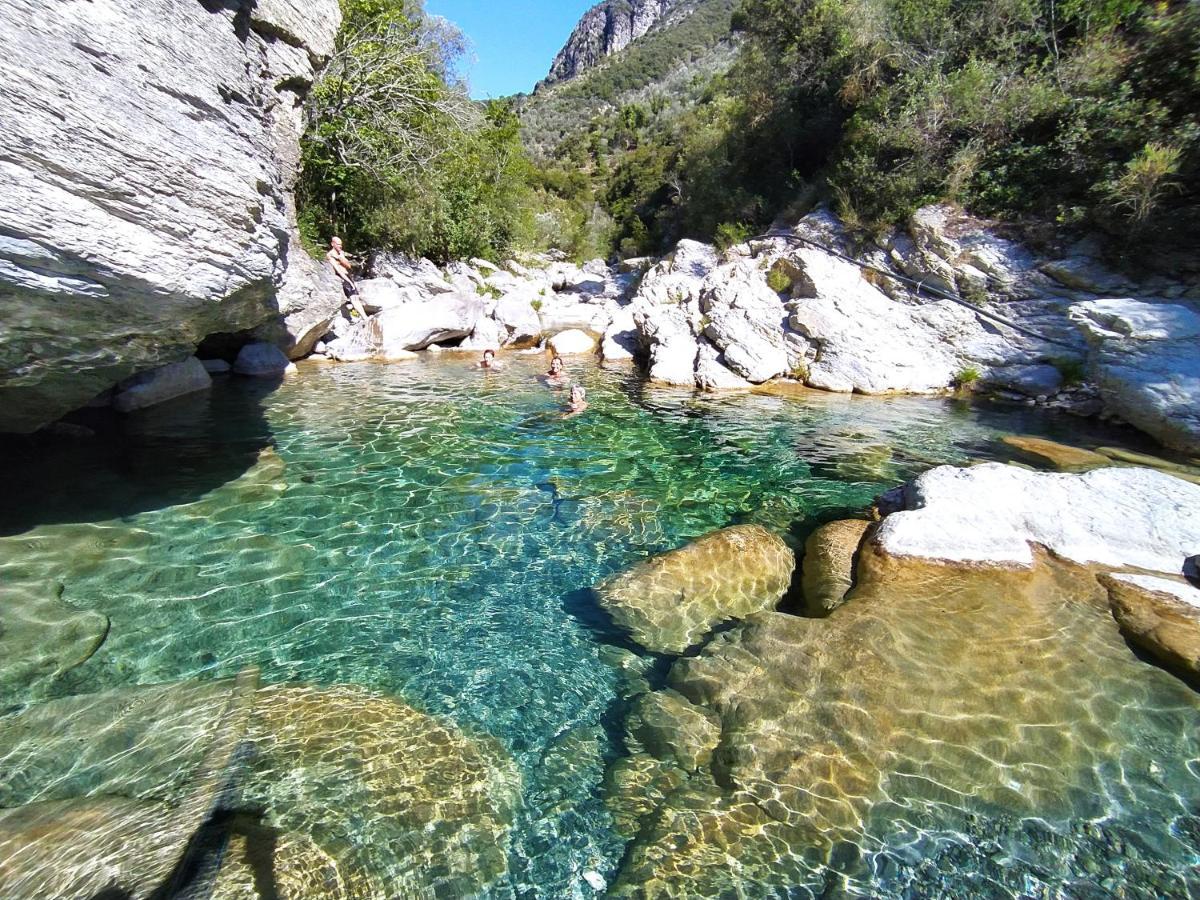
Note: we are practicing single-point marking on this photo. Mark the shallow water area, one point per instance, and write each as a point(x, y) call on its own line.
point(424, 535)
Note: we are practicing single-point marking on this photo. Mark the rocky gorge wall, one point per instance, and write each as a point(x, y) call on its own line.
point(149, 155)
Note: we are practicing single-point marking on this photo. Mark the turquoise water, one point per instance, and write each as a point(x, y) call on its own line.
point(428, 532)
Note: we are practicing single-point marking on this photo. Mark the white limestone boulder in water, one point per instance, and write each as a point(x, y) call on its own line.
point(148, 159)
point(162, 384)
point(670, 342)
point(991, 514)
point(515, 311)
point(1145, 358)
point(378, 294)
point(262, 360)
point(620, 342)
point(712, 372)
point(747, 322)
point(572, 342)
point(488, 335)
point(866, 342)
point(564, 312)
point(416, 325)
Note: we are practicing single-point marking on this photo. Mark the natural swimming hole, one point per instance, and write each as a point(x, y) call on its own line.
point(403, 556)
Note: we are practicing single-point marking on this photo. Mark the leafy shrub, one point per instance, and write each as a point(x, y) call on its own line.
point(730, 234)
point(966, 377)
point(1072, 370)
point(779, 281)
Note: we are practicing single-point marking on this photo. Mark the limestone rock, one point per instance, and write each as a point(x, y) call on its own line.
point(1061, 457)
point(746, 320)
point(488, 335)
point(620, 342)
point(147, 166)
point(679, 277)
point(262, 360)
point(515, 312)
point(1145, 358)
point(828, 565)
point(605, 29)
point(672, 346)
point(561, 313)
point(991, 513)
point(416, 325)
point(308, 298)
point(1036, 380)
point(865, 342)
point(1161, 616)
point(572, 342)
point(162, 384)
point(669, 602)
point(216, 366)
point(378, 294)
point(713, 373)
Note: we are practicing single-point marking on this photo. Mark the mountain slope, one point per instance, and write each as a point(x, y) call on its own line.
point(603, 68)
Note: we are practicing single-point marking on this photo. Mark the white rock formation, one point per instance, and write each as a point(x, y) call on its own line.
point(572, 342)
point(1145, 358)
point(162, 384)
point(992, 513)
point(747, 322)
point(670, 343)
point(416, 325)
point(147, 157)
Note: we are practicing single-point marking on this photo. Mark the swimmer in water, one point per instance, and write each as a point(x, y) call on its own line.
point(489, 361)
point(558, 371)
point(578, 402)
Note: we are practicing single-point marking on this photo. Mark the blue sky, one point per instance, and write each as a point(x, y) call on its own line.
point(513, 42)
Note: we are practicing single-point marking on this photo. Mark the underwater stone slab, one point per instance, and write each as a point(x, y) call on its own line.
point(828, 565)
point(1061, 457)
point(1161, 616)
point(669, 602)
point(41, 636)
point(262, 360)
point(992, 513)
point(404, 804)
point(162, 384)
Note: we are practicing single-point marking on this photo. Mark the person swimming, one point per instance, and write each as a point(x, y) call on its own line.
point(489, 361)
point(558, 370)
point(578, 402)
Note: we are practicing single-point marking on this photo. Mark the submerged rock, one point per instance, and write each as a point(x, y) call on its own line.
point(828, 566)
point(162, 384)
point(1162, 616)
point(669, 602)
point(403, 804)
point(42, 637)
point(1061, 457)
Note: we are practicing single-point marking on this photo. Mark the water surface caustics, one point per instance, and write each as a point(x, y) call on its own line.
point(415, 542)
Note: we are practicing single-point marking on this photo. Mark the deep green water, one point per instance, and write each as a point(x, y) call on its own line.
point(429, 531)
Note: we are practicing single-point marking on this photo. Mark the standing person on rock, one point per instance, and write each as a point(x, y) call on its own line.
point(343, 269)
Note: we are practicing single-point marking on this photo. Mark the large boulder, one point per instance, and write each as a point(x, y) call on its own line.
point(488, 335)
point(147, 164)
point(563, 312)
point(162, 384)
point(679, 277)
point(1145, 358)
point(866, 342)
point(713, 372)
point(572, 342)
point(262, 360)
point(1162, 616)
point(416, 325)
point(669, 602)
point(671, 345)
point(747, 321)
point(620, 342)
point(516, 312)
point(992, 513)
point(828, 566)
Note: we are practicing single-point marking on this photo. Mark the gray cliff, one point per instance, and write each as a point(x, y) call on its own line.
point(605, 29)
point(149, 155)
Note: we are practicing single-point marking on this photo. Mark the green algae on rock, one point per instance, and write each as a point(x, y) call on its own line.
point(669, 602)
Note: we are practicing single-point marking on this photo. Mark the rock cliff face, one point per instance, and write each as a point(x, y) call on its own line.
point(605, 29)
point(149, 155)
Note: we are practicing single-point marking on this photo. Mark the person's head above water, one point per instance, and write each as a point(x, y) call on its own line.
point(489, 358)
point(578, 395)
point(556, 365)
point(489, 354)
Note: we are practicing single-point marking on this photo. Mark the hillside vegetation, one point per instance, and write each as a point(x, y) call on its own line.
point(1053, 114)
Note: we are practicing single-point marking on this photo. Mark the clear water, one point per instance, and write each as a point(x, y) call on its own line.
point(428, 532)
